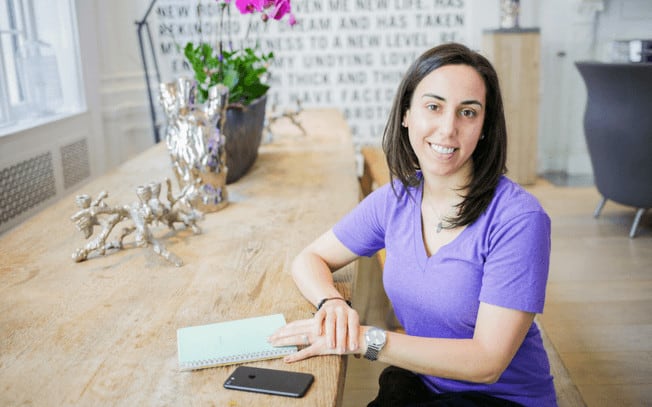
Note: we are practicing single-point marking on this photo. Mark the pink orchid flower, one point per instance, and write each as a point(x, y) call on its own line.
point(250, 6)
point(276, 9)
point(280, 8)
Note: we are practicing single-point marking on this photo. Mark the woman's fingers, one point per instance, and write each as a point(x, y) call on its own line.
point(293, 340)
point(293, 333)
point(319, 347)
point(336, 317)
point(342, 330)
point(354, 330)
point(305, 353)
point(333, 330)
point(329, 328)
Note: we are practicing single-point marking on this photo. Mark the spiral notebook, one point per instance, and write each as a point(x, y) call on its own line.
point(230, 342)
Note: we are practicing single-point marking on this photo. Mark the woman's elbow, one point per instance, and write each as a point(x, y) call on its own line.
point(295, 265)
point(489, 377)
point(487, 373)
point(299, 265)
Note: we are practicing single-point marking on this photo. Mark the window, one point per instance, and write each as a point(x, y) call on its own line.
point(40, 75)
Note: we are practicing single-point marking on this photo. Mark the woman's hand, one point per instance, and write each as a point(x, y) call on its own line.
point(334, 330)
point(340, 325)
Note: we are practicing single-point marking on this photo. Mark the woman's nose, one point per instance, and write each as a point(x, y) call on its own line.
point(447, 123)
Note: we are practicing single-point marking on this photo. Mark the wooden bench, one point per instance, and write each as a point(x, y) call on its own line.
point(376, 173)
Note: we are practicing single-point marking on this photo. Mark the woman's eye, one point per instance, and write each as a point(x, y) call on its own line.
point(468, 113)
point(432, 107)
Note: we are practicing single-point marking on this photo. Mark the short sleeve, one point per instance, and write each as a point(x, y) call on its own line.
point(362, 230)
point(516, 268)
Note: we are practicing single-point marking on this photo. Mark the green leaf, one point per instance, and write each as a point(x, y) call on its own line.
point(239, 70)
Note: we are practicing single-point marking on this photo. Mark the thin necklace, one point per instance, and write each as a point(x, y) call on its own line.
point(440, 218)
point(440, 225)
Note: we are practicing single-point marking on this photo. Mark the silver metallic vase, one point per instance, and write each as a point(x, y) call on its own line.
point(195, 144)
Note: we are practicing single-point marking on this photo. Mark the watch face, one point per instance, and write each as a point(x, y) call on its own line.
point(375, 336)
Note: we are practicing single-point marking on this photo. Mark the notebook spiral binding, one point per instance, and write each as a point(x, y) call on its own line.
point(238, 358)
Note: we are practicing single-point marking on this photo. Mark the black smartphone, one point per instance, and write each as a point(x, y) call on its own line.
point(269, 381)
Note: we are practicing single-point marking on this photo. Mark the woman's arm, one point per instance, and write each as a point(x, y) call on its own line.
point(335, 329)
point(312, 272)
point(313, 267)
point(498, 335)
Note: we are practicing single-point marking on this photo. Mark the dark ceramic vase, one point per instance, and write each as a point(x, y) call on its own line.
point(243, 132)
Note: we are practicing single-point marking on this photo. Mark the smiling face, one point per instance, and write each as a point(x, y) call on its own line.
point(445, 120)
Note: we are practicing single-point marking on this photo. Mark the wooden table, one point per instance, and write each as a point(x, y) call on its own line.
point(103, 332)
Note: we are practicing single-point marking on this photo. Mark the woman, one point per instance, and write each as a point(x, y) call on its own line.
point(467, 252)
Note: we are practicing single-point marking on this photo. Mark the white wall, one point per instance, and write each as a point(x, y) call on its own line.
point(117, 123)
point(349, 54)
point(124, 105)
point(571, 30)
point(574, 30)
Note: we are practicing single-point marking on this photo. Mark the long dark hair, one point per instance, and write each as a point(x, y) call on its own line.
point(491, 152)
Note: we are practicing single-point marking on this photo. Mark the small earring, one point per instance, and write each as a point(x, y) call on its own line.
point(482, 136)
point(403, 124)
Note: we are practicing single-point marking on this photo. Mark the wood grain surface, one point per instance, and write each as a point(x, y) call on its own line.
point(516, 58)
point(103, 331)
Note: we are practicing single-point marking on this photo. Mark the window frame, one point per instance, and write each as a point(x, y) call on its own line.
point(40, 64)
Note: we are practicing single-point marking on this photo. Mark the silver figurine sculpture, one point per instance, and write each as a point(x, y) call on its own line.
point(148, 211)
point(289, 114)
point(196, 146)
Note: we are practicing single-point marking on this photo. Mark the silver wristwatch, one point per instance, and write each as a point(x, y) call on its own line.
point(375, 339)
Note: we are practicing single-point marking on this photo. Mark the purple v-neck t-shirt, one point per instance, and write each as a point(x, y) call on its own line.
point(502, 259)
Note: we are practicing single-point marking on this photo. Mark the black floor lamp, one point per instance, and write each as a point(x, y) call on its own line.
point(143, 23)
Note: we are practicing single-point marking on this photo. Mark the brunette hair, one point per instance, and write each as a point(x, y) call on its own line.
point(490, 154)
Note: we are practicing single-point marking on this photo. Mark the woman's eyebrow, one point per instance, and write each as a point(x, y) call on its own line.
point(432, 95)
point(471, 102)
point(443, 99)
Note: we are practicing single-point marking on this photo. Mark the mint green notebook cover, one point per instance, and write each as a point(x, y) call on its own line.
point(229, 342)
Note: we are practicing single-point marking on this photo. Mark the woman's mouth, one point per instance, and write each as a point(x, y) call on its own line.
point(442, 149)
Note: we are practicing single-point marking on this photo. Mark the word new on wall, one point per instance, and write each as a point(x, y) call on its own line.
point(349, 54)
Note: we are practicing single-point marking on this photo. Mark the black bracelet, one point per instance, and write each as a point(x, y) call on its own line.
point(322, 302)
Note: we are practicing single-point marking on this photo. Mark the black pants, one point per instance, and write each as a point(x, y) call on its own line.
point(402, 388)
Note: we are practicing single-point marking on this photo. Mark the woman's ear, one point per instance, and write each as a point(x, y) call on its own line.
point(405, 118)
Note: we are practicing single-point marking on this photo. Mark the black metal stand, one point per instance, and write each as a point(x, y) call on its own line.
point(143, 23)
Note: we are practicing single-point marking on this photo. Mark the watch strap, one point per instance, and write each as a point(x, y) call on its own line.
point(372, 352)
point(374, 347)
